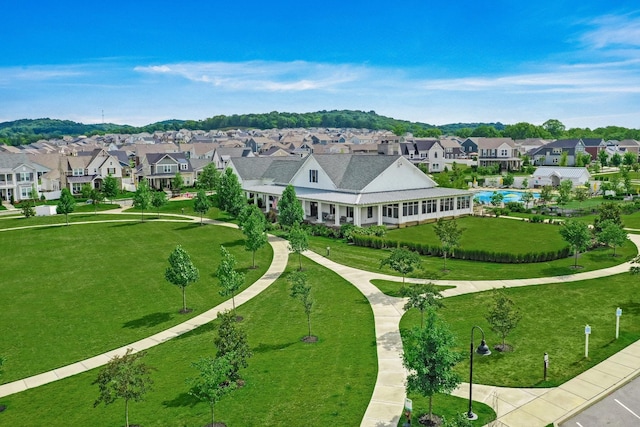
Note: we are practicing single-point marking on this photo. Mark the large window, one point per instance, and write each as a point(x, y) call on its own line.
point(446, 204)
point(429, 206)
point(369, 211)
point(313, 175)
point(464, 202)
point(166, 168)
point(78, 172)
point(410, 208)
point(390, 211)
point(24, 176)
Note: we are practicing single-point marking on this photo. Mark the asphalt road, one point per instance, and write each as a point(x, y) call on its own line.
point(620, 408)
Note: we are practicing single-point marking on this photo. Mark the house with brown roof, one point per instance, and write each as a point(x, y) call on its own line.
point(498, 151)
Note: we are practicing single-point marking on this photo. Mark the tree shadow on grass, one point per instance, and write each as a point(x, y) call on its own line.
point(631, 307)
point(128, 223)
point(181, 400)
point(148, 321)
point(263, 348)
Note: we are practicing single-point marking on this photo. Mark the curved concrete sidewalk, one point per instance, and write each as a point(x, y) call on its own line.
point(513, 406)
point(278, 265)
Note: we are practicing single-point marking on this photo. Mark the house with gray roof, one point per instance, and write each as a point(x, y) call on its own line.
point(554, 175)
point(18, 176)
point(348, 188)
point(551, 154)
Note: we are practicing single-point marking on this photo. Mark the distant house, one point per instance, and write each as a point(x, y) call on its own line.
point(89, 168)
point(18, 176)
point(159, 169)
point(553, 176)
point(347, 188)
point(425, 151)
point(551, 154)
point(498, 151)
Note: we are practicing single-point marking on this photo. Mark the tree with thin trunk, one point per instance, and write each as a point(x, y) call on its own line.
point(403, 261)
point(208, 178)
point(158, 200)
point(290, 212)
point(449, 235)
point(546, 194)
point(142, 197)
point(213, 381)
point(612, 234)
point(124, 377)
point(423, 297)
point(110, 187)
point(229, 193)
point(232, 340)
point(66, 204)
point(254, 227)
point(527, 198)
point(201, 204)
point(503, 317)
point(429, 357)
point(298, 242)
point(301, 290)
point(181, 272)
point(97, 197)
point(230, 279)
point(578, 236)
point(177, 182)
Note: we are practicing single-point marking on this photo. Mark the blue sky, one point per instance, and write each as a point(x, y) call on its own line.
point(428, 61)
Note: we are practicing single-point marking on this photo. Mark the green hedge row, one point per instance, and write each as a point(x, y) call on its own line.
point(466, 254)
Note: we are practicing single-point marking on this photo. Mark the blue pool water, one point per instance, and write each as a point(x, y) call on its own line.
point(509, 196)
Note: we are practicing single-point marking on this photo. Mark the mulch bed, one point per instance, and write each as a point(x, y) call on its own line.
point(309, 339)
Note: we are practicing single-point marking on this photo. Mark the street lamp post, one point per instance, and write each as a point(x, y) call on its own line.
point(483, 350)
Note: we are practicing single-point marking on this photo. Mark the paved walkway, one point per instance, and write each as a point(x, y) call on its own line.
point(278, 265)
point(514, 406)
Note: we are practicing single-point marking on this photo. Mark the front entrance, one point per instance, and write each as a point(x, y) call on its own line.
point(313, 206)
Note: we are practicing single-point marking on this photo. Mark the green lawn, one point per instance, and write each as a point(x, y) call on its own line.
point(393, 289)
point(186, 207)
point(21, 221)
point(432, 267)
point(490, 234)
point(449, 407)
point(288, 382)
point(553, 321)
point(69, 293)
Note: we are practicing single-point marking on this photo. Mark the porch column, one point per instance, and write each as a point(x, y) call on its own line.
point(379, 214)
point(265, 202)
point(336, 217)
point(356, 215)
point(319, 219)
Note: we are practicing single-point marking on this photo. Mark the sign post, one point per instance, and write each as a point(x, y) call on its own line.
point(546, 365)
point(618, 314)
point(587, 332)
point(408, 407)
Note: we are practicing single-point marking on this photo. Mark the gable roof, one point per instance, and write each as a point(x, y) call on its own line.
point(561, 171)
point(353, 171)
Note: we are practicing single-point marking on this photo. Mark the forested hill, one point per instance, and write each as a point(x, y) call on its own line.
point(26, 131)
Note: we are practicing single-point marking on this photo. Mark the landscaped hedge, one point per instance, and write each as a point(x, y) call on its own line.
point(466, 254)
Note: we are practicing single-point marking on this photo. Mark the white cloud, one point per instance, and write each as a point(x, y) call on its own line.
point(15, 75)
point(613, 31)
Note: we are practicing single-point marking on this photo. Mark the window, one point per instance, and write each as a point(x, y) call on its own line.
point(504, 153)
point(446, 204)
point(369, 211)
point(165, 168)
point(183, 166)
point(464, 202)
point(410, 208)
point(349, 211)
point(429, 206)
point(313, 175)
point(24, 176)
point(25, 192)
point(76, 188)
point(390, 211)
point(78, 172)
point(111, 171)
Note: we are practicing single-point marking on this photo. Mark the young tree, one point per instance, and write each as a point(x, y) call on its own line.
point(429, 357)
point(612, 234)
point(28, 209)
point(230, 279)
point(564, 192)
point(496, 199)
point(125, 377)
point(110, 187)
point(527, 198)
point(96, 198)
point(525, 183)
point(616, 160)
point(254, 228)
point(301, 290)
point(142, 197)
point(403, 261)
point(158, 200)
point(177, 182)
point(181, 272)
point(232, 341)
point(213, 381)
point(423, 297)
point(66, 204)
point(607, 211)
point(229, 193)
point(629, 158)
point(546, 194)
point(577, 235)
point(564, 159)
point(85, 190)
point(290, 210)
point(449, 235)
point(209, 177)
point(508, 180)
point(503, 317)
point(201, 204)
point(580, 193)
point(298, 242)
point(603, 157)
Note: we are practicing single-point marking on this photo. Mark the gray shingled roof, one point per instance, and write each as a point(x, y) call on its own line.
point(351, 171)
point(12, 160)
point(252, 168)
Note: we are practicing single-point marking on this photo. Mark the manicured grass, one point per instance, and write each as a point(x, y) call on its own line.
point(553, 321)
point(69, 293)
point(185, 207)
point(489, 234)
point(393, 289)
point(449, 407)
point(21, 221)
point(432, 267)
point(288, 382)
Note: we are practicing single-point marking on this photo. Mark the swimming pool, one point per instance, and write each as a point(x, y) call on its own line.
point(509, 196)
